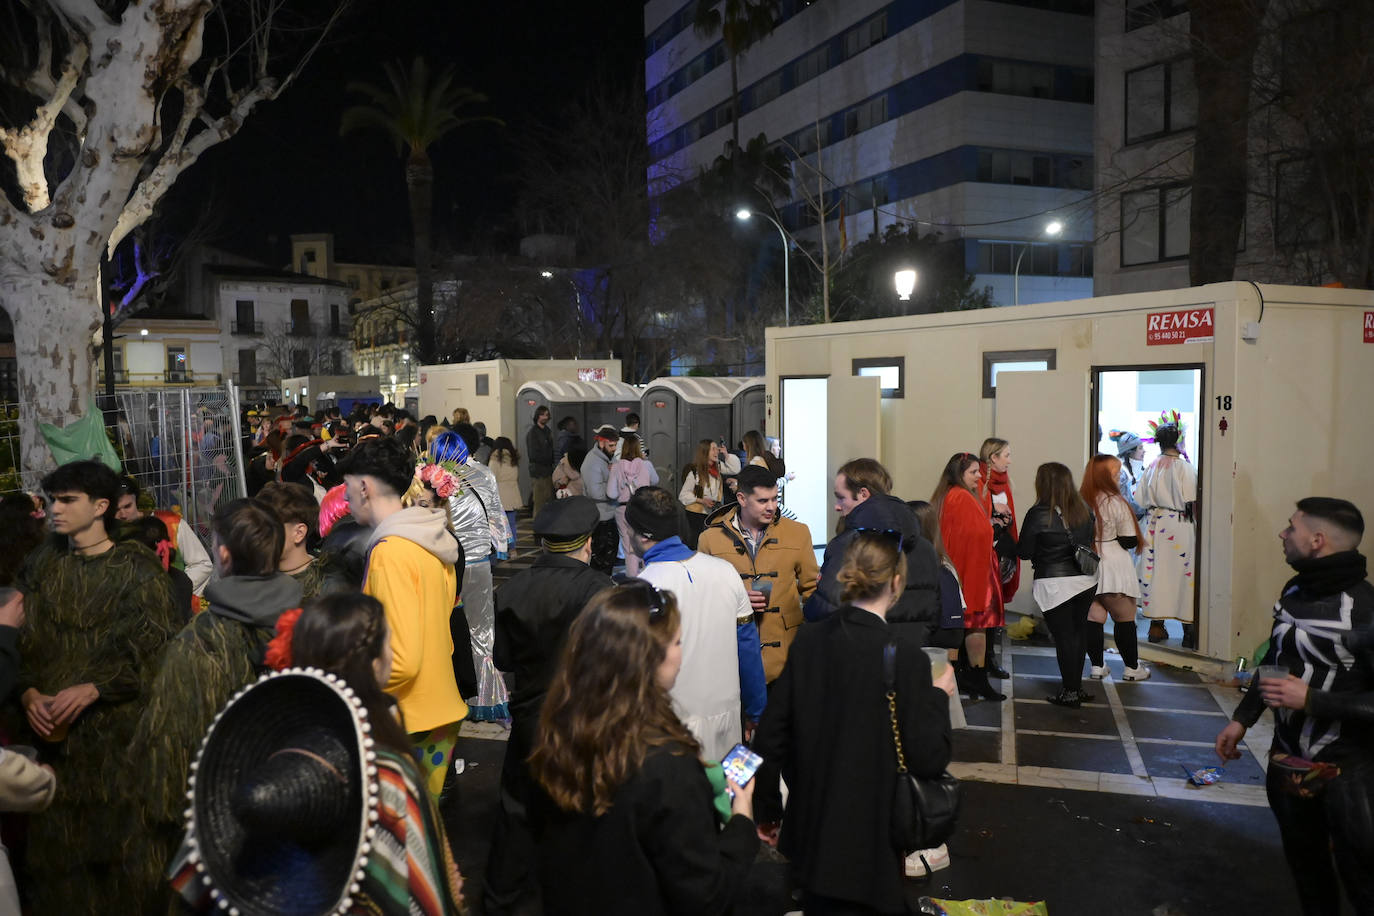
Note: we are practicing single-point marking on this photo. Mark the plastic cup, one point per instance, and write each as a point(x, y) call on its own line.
point(939, 661)
point(1271, 672)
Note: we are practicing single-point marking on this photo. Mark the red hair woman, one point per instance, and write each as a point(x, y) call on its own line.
point(966, 530)
point(1118, 589)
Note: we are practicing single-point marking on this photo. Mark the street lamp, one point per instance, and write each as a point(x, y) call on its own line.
point(743, 214)
point(905, 281)
point(1052, 229)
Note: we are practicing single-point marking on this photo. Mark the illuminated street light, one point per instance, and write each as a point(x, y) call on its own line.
point(1052, 229)
point(743, 214)
point(905, 281)
point(142, 332)
point(546, 274)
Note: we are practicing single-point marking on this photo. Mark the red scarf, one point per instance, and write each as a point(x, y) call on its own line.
point(998, 482)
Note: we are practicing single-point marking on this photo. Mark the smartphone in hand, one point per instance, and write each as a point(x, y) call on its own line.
point(740, 765)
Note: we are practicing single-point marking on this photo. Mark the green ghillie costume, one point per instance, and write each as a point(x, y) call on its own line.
point(324, 576)
point(215, 655)
point(101, 620)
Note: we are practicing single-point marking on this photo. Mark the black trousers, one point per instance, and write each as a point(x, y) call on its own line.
point(605, 542)
point(768, 787)
point(1068, 625)
point(510, 871)
point(1337, 824)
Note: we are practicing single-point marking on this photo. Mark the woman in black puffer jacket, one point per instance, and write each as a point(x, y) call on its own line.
point(1058, 521)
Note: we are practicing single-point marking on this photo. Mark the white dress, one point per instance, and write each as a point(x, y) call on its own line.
point(1167, 562)
point(1116, 572)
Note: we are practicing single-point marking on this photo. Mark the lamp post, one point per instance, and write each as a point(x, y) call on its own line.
point(743, 214)
point(905, 281)
point(1052, 229)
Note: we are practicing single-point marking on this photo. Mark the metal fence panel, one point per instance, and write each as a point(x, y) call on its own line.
point(181, 444)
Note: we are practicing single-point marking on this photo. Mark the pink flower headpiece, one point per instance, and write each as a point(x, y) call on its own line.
point(442, 476)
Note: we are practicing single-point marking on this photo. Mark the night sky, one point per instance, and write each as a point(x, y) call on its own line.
point(289, 171)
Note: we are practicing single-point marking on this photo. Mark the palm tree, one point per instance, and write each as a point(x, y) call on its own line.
point(416, 109)
point(741, 24)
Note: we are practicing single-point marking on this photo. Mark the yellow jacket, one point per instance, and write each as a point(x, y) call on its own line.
point(411, 572)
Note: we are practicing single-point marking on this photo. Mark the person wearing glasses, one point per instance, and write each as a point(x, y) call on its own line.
point(827, 726)
point(632, 820)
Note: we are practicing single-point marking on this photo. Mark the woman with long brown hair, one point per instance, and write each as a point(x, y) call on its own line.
point(633, 821)
point(1058, 522)
point(1118, 589)
point(966, 532)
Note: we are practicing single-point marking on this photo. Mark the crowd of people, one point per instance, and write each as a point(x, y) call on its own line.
point(266, 723)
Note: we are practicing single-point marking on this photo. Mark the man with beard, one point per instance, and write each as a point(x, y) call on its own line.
point(1320, 778)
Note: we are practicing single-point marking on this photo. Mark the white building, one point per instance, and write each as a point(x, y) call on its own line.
point(971, 117)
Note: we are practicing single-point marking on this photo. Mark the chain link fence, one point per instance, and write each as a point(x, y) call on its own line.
point(182, 445)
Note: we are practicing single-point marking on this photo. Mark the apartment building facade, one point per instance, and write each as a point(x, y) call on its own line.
point(972, 118)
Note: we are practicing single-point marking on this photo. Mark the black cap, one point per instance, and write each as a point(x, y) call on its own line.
point(565, 524)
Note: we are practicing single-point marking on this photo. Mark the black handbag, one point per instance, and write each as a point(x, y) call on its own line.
point(1083, 557)
point(924, 811)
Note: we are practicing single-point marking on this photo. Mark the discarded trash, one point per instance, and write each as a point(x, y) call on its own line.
point(935, 907)
point(1205, 776)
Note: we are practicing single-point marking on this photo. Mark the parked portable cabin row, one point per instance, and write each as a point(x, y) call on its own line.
point(488, 388)
point(680, 411)
point(1273, 384)
point(591, 404)
point(317, 392)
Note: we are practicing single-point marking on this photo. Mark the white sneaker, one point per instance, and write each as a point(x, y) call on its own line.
point(936, 858)
point(1138, 673)
point(1098, 672)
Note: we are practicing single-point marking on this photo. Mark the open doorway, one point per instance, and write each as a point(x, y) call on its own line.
point(803, 413)
point(1125, 400)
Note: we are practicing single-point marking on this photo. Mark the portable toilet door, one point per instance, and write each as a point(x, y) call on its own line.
point(527, 400)
point(748, 410)
point(658, 412)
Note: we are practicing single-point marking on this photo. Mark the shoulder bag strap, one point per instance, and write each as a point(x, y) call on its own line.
point(890, 681)
point(1067, 529)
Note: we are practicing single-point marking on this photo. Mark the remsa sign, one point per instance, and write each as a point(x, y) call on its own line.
point(1369, 327)
point(1190, 326)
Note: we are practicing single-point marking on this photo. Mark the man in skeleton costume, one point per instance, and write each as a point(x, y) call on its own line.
point(480, 523)
point(1321, 765)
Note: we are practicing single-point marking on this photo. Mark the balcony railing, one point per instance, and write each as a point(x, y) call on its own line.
point(121, 376)
point(339, 330)
point(302, 329)
point(246, 328)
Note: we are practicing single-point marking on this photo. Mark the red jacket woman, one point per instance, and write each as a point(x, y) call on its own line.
point(967, 532)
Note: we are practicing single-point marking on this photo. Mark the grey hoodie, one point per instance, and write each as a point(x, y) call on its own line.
point(255, 600)
point(424, 527)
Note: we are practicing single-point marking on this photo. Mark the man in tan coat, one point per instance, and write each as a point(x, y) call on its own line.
point(774, 557)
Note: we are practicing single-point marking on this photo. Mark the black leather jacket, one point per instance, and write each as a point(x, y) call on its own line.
point(1045, 542)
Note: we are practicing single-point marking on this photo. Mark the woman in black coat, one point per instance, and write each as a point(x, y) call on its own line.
point(827, 725)
point(1058, 521)
point(630, 821)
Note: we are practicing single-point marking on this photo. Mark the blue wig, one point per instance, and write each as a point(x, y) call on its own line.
point(448, 446)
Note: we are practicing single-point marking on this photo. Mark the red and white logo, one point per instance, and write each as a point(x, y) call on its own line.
point(591, 375)
point(1189, 326)
point(1369, 327)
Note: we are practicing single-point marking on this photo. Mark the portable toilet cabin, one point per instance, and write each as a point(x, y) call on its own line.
point(488, 389)
point(748, 408)
point(1271, 384)
point(589, 403)
point(680, 410)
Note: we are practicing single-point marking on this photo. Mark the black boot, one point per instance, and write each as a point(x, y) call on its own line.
point(1071, 699)
point(961, 676)
point(994, 643)
point(979, 686)
point(1189, 636)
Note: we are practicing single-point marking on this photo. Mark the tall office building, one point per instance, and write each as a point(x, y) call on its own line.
point(972, 118)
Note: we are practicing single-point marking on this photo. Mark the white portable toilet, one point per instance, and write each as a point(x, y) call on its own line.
point(589, 403)
point(680, 410)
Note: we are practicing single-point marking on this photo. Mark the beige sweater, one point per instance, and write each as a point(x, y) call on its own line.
point(24, 785)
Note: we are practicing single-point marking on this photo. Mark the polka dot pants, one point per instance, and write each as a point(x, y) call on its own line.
point(433, 751)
